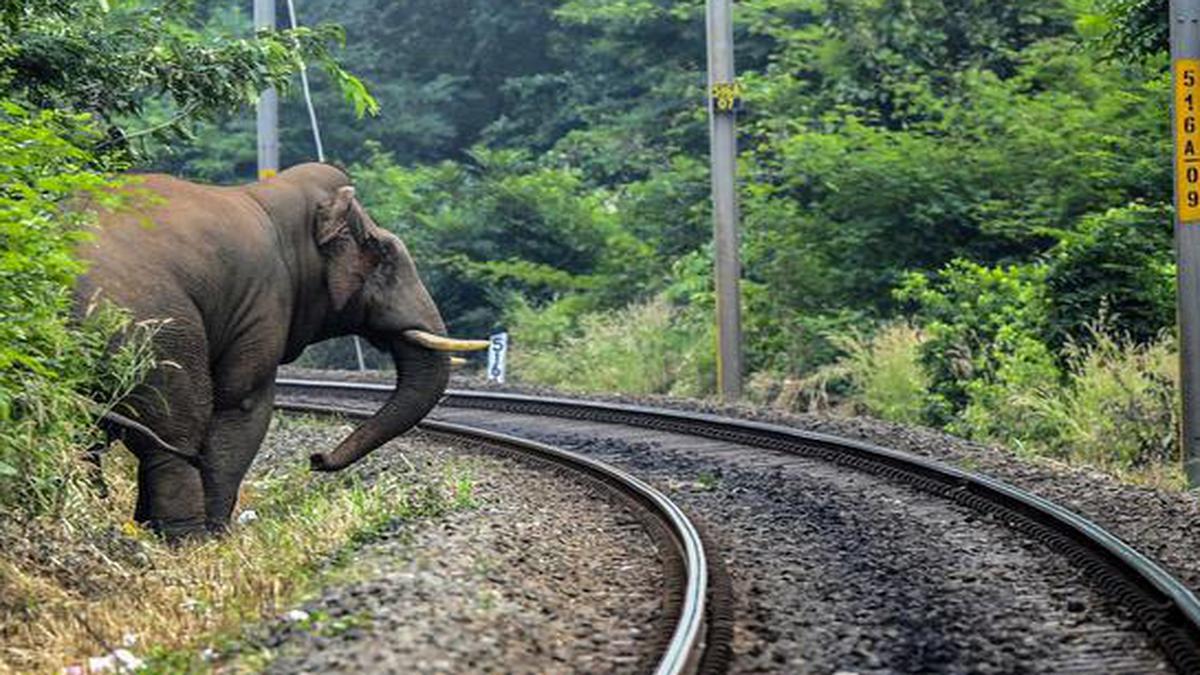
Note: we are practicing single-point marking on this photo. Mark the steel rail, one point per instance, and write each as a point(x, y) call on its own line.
point(683, 652)
point(1168, 610)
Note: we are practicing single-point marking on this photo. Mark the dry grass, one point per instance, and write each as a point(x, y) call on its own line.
point(1118, 412)
point(70, 590)
point(879, 375)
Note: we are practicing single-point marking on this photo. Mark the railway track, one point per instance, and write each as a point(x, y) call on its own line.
point(1160, 606)
point(696, 641)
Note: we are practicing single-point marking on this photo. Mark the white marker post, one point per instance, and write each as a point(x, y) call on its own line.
point(497, 358)
point(1185, 65)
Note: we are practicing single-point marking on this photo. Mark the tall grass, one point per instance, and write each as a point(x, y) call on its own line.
point(48, 417)
point(53, 362)
point(1117, 410)
point(1111, 404)
point(886, 372)
point(879, 375)
point(72, 589)
point(648, 348)
point(1107, 403)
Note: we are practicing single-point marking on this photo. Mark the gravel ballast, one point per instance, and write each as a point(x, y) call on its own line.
point(542, 575)
point(1162, 524)
point(840, 571)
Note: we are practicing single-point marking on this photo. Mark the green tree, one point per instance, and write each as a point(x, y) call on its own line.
point(80, 84)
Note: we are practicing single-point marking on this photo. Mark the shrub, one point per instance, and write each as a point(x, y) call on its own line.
point(997, 409)
point(47, 361)
point(880, 375)
point(978, 320)
point(648, 348)
point(1121, 263)
point(1118, 410)
point(886, 372)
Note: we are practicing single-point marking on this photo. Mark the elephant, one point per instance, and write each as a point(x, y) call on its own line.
point(239, 280)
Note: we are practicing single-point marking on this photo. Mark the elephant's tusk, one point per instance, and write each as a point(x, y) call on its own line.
point(438, 343)
point(458, 362)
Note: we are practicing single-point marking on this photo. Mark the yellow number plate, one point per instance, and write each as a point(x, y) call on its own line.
point(1187, 139)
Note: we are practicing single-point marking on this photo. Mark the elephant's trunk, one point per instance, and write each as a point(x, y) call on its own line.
point(421, 378)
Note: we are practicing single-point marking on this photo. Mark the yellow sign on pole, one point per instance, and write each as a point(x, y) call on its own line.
point(1187, 139)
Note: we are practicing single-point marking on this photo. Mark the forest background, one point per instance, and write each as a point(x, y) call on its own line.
point(955, 212)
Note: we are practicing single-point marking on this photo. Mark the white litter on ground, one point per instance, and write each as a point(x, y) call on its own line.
point(296, 615)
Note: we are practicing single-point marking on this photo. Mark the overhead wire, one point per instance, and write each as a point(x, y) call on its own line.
point(312, 111)
point(316, 132)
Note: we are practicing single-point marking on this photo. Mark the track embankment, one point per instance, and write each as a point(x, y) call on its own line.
point(690, 631)
point(543, 571)
point(856, 570)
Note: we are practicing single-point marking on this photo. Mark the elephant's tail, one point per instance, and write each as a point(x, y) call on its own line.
point(117, 426)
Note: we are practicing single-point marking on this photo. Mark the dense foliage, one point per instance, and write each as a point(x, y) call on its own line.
point(81, 85)
point(971, 196)
point(992, 172)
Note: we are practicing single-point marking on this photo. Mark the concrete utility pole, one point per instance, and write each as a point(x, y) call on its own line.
point(1185, 61)
point(268, 104)
point(722, 108)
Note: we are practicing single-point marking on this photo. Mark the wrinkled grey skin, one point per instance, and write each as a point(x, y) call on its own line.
point(246, 278)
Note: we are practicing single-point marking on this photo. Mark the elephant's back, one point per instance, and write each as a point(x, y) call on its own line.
point(158, 205)
point(170, 236)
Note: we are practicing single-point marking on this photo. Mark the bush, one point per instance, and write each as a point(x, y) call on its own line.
point(1120, 263)
point(880, 375)
point(886, 372)
point(649, 348)
point(1117, 411)
point(979, 320)
point(996, 408)
point(48, 363)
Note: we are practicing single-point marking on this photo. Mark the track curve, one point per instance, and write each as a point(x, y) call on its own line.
point(692, 647)
point(1166, 609)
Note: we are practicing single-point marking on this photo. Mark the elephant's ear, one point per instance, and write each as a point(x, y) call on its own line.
point(333, 216)
point(341, 237)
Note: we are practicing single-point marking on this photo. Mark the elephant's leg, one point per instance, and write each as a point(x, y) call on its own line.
point(176, 402)
point(234, 437)
point(170, 495)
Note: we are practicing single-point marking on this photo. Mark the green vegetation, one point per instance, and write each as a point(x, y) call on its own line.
point(641, 349)
point(955, 213)
point(882, 373)
point(105, 581)
point(941, 200)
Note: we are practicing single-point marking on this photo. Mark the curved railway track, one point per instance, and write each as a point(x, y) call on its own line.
point(1164, 609)
point(695, 643)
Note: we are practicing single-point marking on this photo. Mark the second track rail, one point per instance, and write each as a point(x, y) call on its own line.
point(691, 648)
point(1166, 609)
